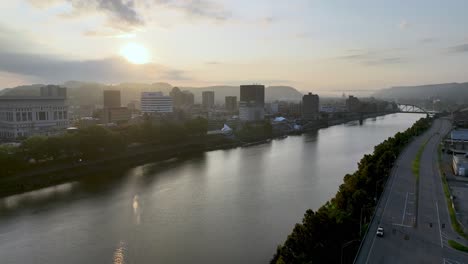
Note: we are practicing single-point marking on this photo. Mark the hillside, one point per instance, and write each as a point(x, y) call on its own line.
point(83, 93)
point(272, 93)
point(455, 92)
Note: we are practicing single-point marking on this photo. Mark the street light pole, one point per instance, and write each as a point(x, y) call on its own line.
point(376, 185)
point(360, 223)
point(345, 245)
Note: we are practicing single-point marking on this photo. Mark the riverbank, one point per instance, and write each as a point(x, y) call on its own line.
point(321, 235)
point(347, 118)
point(42, 176)
point(54, 174)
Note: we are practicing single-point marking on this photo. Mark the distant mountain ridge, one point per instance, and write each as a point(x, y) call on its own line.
point(456, 92)
point(80, 93)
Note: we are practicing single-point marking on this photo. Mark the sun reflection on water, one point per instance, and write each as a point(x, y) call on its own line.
point(119, 256)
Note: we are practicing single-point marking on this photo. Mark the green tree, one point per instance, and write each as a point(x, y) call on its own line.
point(35, 147)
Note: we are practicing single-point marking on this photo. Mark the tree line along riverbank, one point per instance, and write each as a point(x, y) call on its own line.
point(46, 161)
point(322, 233)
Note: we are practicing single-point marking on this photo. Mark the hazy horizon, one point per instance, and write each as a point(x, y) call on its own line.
point(326, 93)
point(312, 46)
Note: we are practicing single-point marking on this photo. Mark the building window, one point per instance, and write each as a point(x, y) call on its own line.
point(29, 116)
point(55, 115)
point(24, 116)
point(60, 115)
point(42, 116)
point(65, 115)
point(18, 116)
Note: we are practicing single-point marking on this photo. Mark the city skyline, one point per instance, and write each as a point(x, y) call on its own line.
point(318, 45)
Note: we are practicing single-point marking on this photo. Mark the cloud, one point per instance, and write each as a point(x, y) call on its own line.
point(121, 14)
point(120, 10)
point(127, 15)
point(353, 57)
point(303, 35)
point(371, 58)
point(270, 19)
point(385, 61)
point(44, 3)
point(197, 8)
point(16, 58)
point(177, 75)
point(459, 48)
point(427, 40)
point(15, 40)
point(51, 68)
point(108, 34)
point(404, 24)
point(213, 62)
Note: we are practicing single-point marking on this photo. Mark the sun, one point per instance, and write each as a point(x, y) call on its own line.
point(135, 53)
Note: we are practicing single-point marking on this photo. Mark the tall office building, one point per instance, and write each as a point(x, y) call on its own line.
point(182, 99)
point(231, 103)
point(208, 99)
point(252, 102)
point(310, 107)
point(156, 102)
point(111, 98)
point(117, 115)
point(253, 93)
point(353, 104)
point(24, 116)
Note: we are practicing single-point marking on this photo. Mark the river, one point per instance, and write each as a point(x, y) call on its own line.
point(224, 206)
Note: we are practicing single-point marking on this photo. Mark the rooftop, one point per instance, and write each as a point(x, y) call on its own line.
point(22, 98)
point(460, 159)
point(459, 134)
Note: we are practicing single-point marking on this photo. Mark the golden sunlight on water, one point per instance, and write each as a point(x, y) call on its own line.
point(119, 257)
point(136, 209)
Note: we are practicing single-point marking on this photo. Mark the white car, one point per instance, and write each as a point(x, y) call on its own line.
point(380, 231)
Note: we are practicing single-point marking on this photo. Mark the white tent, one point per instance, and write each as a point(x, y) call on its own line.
point(279, 119)
point(226, 129)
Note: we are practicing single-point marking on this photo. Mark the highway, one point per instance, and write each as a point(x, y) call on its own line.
point(416, 220)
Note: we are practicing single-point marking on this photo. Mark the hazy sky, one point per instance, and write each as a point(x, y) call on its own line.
point(312, 45)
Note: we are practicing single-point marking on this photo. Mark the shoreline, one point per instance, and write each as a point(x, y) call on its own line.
point(53, 174)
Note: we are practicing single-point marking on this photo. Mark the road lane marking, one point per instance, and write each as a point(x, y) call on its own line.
point(440, 230)
point(404, 209)
point(401, 225)
point(450, 261)
point(392, 178)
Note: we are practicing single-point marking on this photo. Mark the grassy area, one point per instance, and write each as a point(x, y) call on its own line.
point(415, 169)
point(454, 244)
point(453, 217)
point(417, 160)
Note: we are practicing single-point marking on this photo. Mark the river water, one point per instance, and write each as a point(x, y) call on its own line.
point(225, 206)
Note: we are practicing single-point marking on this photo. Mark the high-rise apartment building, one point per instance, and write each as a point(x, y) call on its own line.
point(156, 102)
point(111, 98)
point(208, 99)
point(353, 104)
point(310, 107)
point(253, 93)
point(231, 103)
point(182, 99)
point(252, 102)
